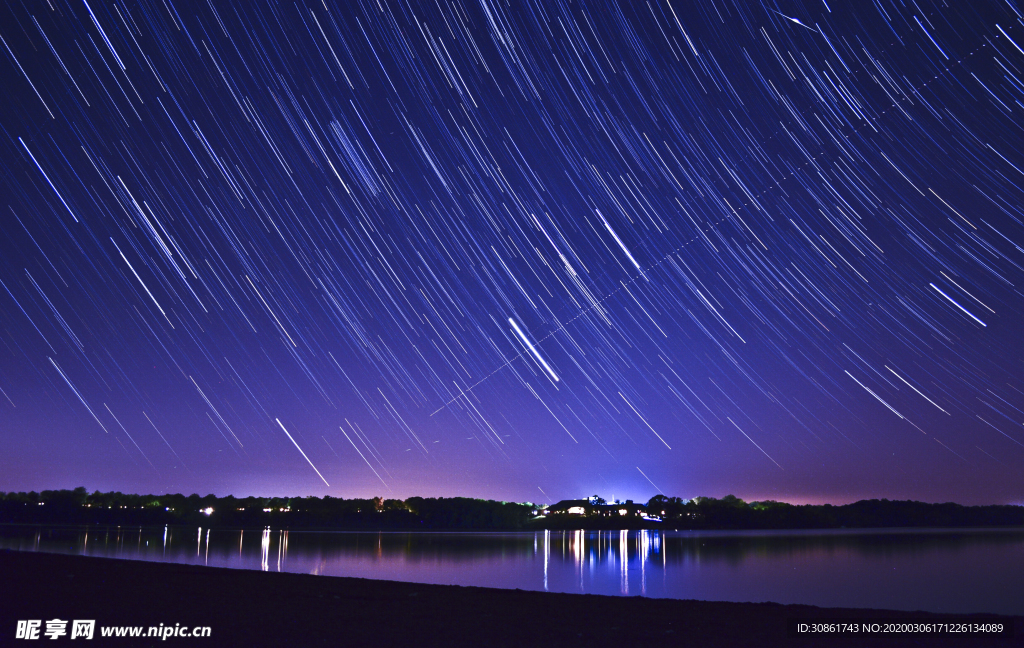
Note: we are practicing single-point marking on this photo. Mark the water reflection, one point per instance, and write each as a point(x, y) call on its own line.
point(264, 547)
point(897, 569)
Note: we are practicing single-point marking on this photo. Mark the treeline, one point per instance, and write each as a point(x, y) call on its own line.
point(730, 512)
point(78, 506)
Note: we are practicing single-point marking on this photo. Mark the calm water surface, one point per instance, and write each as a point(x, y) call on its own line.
point(938, 570)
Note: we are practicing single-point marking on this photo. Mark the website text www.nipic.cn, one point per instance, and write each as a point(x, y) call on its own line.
point(86, 629)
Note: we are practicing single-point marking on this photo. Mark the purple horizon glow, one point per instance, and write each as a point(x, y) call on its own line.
point(526, 252)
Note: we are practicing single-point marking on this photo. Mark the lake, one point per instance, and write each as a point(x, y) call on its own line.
point(936, 570)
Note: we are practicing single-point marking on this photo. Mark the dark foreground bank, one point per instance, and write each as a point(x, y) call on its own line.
point(250, 608)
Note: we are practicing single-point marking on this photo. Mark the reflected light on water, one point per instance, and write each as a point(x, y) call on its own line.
point(889, 569)
point(547, 556)
point(624, 561)
point(265, 549)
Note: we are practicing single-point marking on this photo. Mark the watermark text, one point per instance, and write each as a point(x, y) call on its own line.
point(86, 629)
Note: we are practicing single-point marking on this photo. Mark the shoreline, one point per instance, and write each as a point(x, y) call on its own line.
point(482, 530)
point(255, 608)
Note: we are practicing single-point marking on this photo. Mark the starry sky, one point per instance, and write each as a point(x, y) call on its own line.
point(514, 250)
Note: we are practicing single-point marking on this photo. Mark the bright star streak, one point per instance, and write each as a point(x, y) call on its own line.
point(621, 244)
point(649, 479)
point(357, 450)
point(38, 166)
point(875, 395)
point(915, 389)
point(74, 389)
point(529, 346)
point(300, 450)
point(957, 305)
point(645, 421)
point(752, 441)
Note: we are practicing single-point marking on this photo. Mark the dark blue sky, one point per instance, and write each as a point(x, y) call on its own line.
point(523, 251)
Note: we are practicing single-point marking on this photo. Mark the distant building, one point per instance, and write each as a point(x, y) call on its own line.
point(569, 507)
point(587, 508)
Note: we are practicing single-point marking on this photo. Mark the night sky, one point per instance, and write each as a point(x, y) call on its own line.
point(514, 250)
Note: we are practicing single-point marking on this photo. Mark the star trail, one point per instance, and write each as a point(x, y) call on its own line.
point(516, 250)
